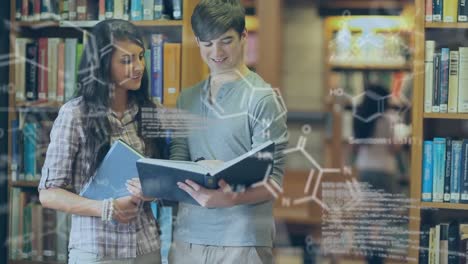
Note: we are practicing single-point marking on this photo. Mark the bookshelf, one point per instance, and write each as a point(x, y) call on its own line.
point(426, 126)
point(353, 51)
point(192, 70)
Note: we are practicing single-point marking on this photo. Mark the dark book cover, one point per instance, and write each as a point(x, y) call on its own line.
point(453, 243)
point(448, 169)
point(31, 71)
point(464, 173)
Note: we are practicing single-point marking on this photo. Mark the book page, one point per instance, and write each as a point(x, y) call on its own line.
point(181, 165)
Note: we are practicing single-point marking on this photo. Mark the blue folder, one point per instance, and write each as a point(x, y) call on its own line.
point(118, 166)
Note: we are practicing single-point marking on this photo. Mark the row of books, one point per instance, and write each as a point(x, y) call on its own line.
point(445, 170)
point(352, 84)
point(79, 10)
point(30, 140)
point(36, 233)
point(448, 11)
point(446, 78)
point(444, 243)
point(368, 48)
point(46, 69)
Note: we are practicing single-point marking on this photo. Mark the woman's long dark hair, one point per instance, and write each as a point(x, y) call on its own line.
point(96, 88)
point(375, 100)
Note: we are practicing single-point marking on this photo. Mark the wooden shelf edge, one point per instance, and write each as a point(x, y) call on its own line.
point(446, 25)
point(295, 219)
point(402, 67)
point(453, 206)
point(25, 261)
point(446, 115)
point(38, 104)
point(24, 184)
point(91, 23)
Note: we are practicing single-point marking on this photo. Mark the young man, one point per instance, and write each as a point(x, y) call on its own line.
point(239, 112)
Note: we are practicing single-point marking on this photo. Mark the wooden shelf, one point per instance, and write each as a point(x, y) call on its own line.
point(24, 184)
point(371, 67)
point(25, 261)
point(452, 206)
point(446, 25)
point(282, 215)
point(446, 116)
point(91, 23)
point(39, 104)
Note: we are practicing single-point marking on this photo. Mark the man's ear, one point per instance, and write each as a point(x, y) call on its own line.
point(197, 41)
point(244, 34)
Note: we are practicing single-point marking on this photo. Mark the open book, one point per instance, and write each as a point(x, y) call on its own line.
point(159, 177)
point(118, 166)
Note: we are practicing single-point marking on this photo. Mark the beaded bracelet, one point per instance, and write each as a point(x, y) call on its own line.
point(111, 210)
point(107, 212)
point(104, 210)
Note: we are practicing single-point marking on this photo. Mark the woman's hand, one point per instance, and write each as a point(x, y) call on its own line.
point(134, 187)
point(126, 209)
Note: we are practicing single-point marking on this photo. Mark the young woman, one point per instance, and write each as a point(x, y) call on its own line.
point(111, 93)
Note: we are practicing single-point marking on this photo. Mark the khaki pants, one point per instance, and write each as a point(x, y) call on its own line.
point(186, 253)
point(80, 257)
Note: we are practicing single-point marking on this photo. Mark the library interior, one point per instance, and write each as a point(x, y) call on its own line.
point(363, 101)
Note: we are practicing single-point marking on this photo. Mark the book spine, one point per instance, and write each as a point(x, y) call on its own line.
point(453, 243)
point(15, 147)
point(453, 83)
point(438, 170)
point(444, 79)
point(72, 15)
point(18, 10)
point(31, 71)
point(431, 245)
point(24, 10)
point(46, 9)
point(436, 85)
point(448, 169)
point(36, 6)
point(109, 6)
point(20, 72)
point(135, 13)
point(158, 9)
point(43, 75)
point(70, 68)
point(52, 46)
point(437, 244)
point(126, 14)
point(427, 172)
point(61, 71)
point(177, 9)
point(424, 243)
point(463, 80)
point(64, 12)
point(148, 9)
point(118, 9)
point(171, 74)
point(81, 9)
point(456, 169)
point(443, 243)
point(462, 10)
point(464, 173)
point(428, 9)
point(29, 134)
point(437, 9)
point(450, 11)
point(157, 44)
point(102, 10)
point(148, 67)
